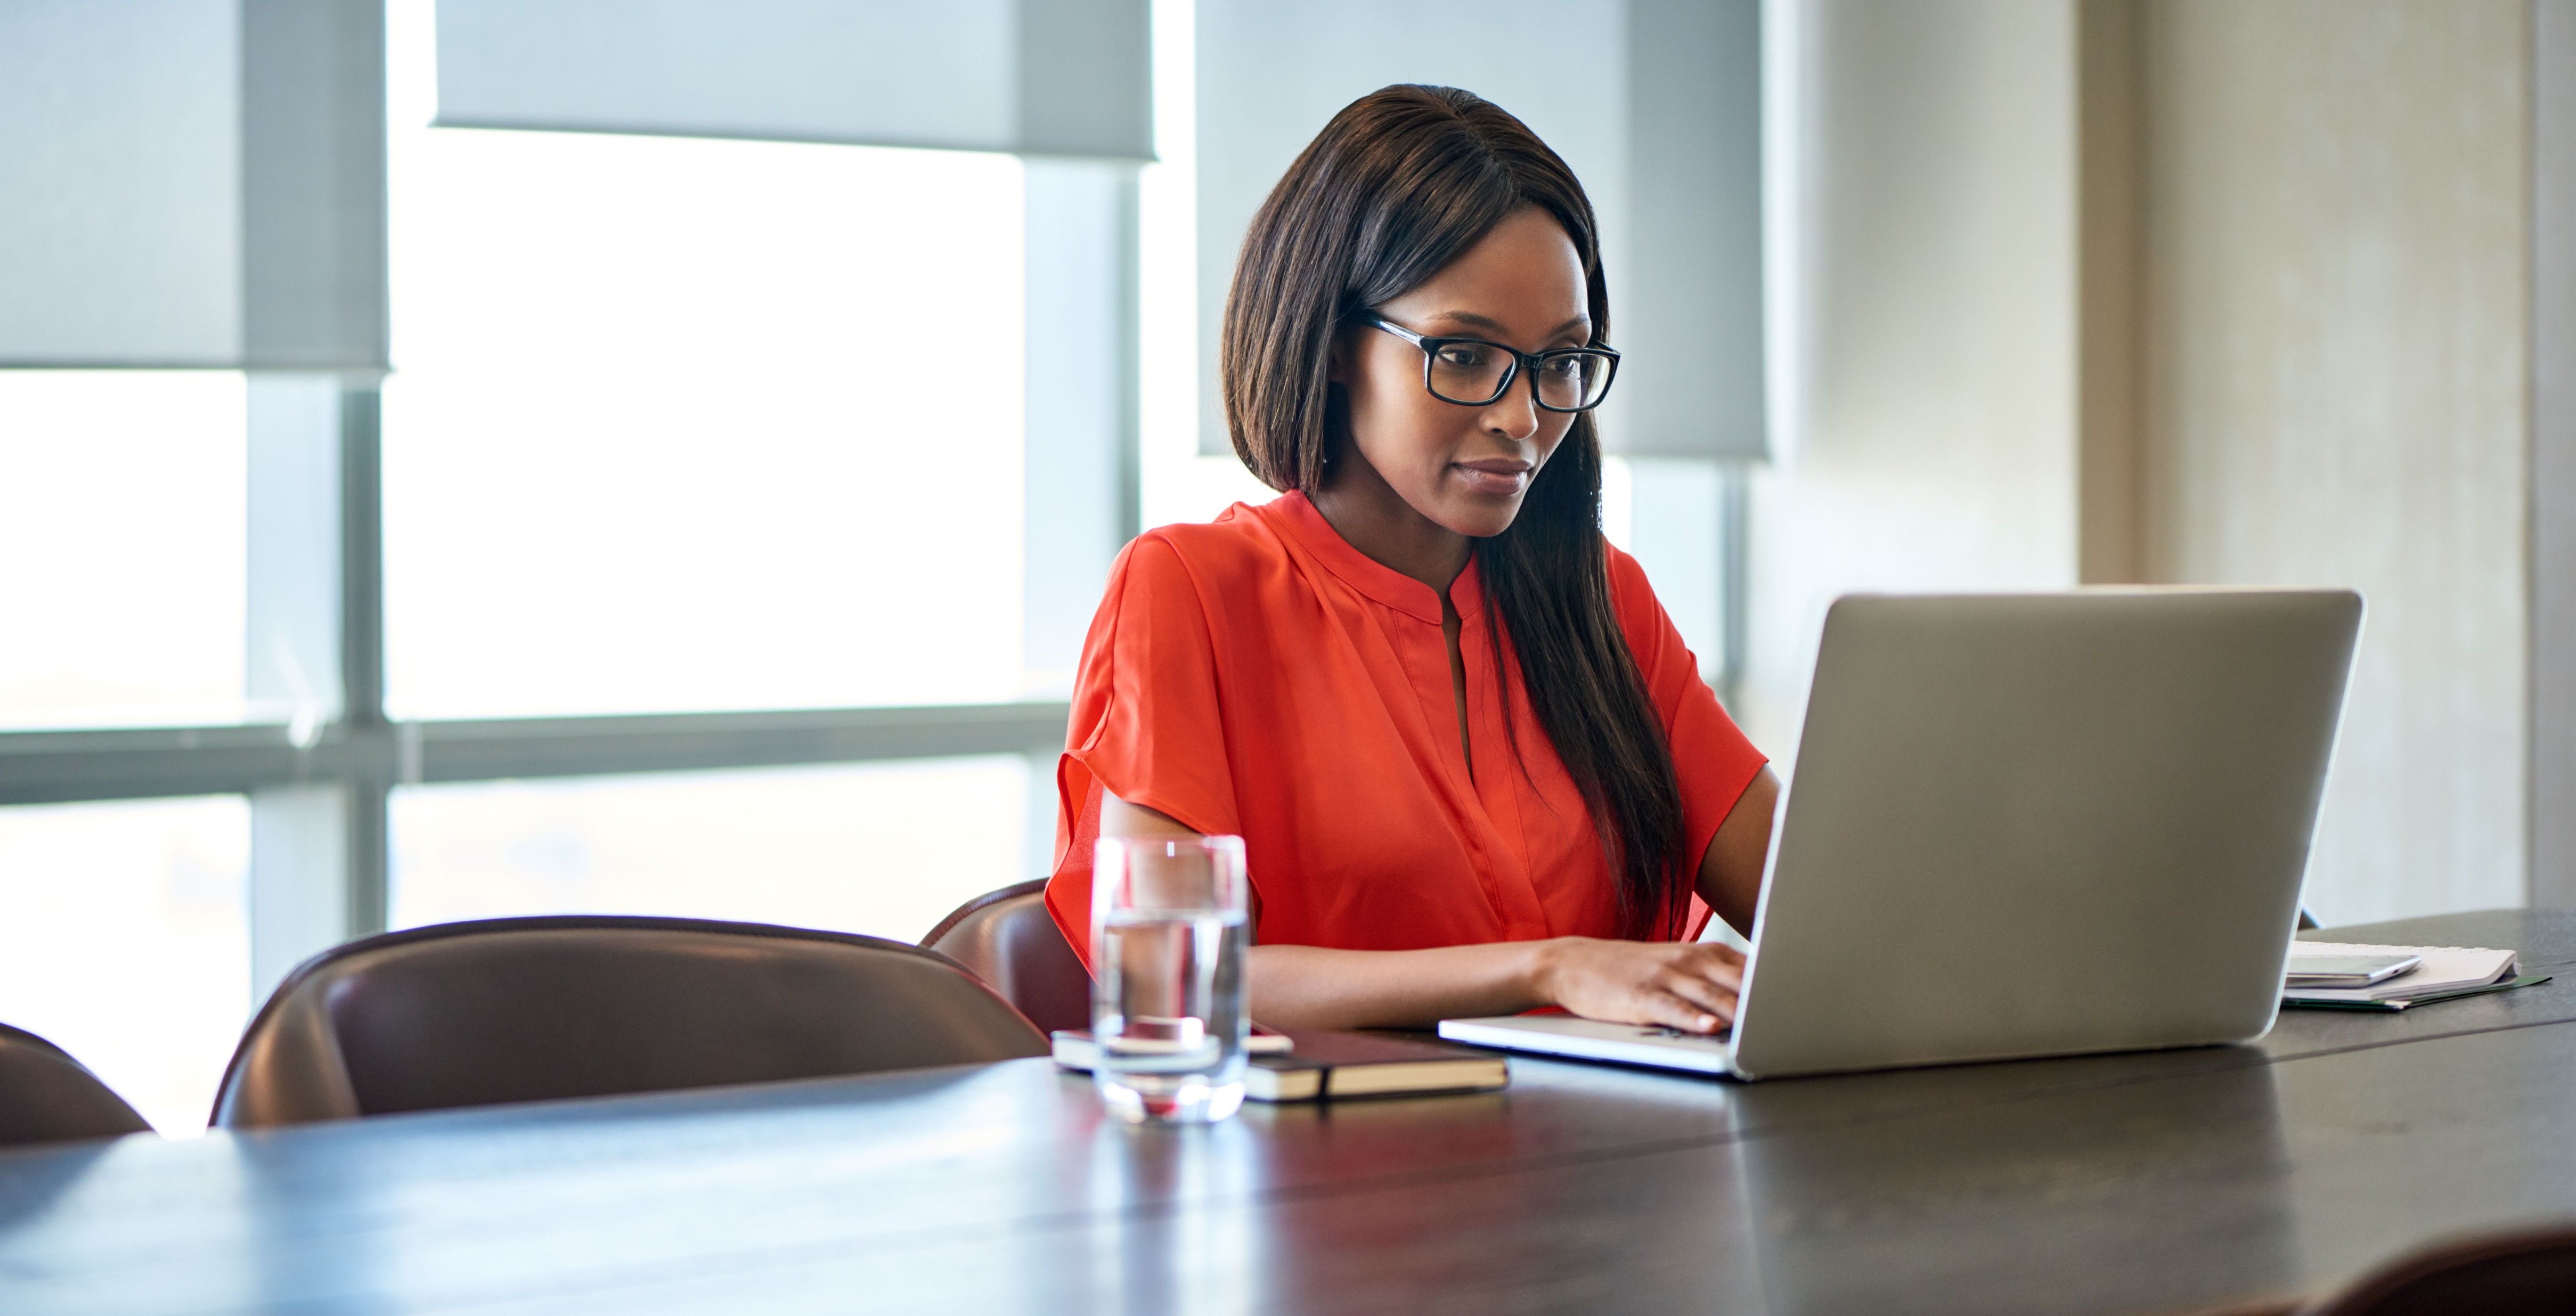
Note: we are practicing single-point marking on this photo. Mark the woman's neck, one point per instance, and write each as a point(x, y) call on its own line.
point(1372, 517)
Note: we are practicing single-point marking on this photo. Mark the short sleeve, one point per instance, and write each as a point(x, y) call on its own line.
point(1711, 756)
point(1146, 724)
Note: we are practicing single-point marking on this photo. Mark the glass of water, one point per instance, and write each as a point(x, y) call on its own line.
point(1168, 933)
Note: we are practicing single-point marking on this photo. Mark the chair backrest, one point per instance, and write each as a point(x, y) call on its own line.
point(1008, 939)
point(534, 1009)
point(2522, 1271)
point(46, 1096)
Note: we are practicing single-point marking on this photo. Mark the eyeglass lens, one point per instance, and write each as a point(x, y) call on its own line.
point(1476, 373)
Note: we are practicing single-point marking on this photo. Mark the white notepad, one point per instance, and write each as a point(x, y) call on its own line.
point(2445, 969)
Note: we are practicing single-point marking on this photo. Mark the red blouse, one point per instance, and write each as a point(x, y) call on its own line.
point(1257, 676)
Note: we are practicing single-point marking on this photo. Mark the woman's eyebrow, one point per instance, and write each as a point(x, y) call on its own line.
point(1489, 322)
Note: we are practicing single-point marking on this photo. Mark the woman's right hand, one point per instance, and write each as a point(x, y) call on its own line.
point(1690, 986)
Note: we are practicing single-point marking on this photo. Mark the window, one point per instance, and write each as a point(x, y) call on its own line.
point(689, 424)
point(124, 940)
point(681, 424)
point(122, 497)
point(883, 849)
point(683, 431)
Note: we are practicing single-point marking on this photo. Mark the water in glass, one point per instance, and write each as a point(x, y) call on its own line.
point(1167, 1007)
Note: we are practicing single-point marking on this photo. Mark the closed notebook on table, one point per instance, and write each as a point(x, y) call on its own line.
point(1324, 1063)
point(2446, 972)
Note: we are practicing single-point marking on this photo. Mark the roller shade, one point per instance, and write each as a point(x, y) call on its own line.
point(1031, 77)
point(1689, 307)
point(189, 183)
point(1655, 103)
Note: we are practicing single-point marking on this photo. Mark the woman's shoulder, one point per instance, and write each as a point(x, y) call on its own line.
point(1629, 588)
point(1632, 599)
point(1194, 577)
point(1240, 539)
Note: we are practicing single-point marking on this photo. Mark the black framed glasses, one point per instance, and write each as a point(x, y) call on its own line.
point(1474, 373)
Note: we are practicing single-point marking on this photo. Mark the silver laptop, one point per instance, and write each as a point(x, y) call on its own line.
point(2027, 825)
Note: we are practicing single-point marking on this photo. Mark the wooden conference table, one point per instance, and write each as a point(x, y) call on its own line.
point(2170, 1181)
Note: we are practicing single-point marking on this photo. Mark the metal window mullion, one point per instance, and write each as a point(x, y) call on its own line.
point(315, 632)
point(56, 767)
point(294, 668)
point(1082, 474)
point(367, 779)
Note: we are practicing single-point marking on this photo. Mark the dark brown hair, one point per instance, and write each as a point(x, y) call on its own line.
point(1400, 184)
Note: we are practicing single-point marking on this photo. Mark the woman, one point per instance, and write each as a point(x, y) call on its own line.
point(1474, 768)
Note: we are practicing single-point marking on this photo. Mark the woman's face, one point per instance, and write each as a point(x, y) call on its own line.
point(1467, 468)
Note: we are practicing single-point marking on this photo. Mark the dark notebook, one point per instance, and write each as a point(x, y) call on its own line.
point(1323, 1062)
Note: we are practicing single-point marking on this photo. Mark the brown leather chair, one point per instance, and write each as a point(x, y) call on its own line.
point(1007, 938)
point(534, 1009)
point(2504, 1274)
point(46, 1096)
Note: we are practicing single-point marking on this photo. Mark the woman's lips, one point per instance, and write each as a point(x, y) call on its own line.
point(1495, 475)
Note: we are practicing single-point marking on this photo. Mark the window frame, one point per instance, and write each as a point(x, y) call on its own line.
point(353, 759)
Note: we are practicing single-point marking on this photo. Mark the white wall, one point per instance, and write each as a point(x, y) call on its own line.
point(2336, 392)
point(1271, 76)
point(1923, 282)
point(2325, 319)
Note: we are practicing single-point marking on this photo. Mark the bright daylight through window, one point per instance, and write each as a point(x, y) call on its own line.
point(123, 926)
point(884, 848)
point(124, 939)
point(122, 500)
point(682, 424)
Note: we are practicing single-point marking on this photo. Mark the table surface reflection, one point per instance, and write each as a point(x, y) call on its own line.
point(2164, 1181)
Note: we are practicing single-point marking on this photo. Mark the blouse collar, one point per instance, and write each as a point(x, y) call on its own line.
point(1372, 578)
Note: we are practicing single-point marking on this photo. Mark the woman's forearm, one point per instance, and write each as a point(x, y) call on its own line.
point(1674, 985)
point(1318, 987)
